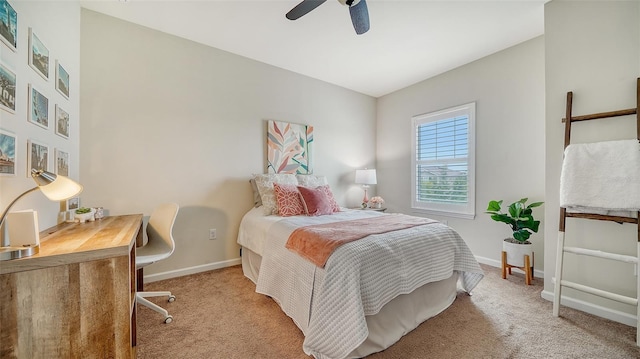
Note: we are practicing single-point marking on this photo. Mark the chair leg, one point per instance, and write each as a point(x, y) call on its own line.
point(157, 294)
point(142, 299)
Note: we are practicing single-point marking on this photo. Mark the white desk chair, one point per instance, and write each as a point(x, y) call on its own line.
point(160, 245)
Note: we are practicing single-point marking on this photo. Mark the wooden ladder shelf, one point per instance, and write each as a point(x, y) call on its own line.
point(562, 249)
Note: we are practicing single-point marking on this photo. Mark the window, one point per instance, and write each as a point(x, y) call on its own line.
point(443, 162)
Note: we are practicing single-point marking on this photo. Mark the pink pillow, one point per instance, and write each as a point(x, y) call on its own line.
point(315, 201)
point(335, 207)
point(288, 200)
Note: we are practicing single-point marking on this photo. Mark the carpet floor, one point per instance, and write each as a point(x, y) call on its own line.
point(217, 314)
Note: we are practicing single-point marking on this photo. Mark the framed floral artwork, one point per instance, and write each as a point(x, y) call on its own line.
point(289, 147)
point(38, 108)
point(62, 122)
point(38, 55)
point(37, 157)
point(8, 25)
point(62, 80)
point(7, 89)
point(7, 153)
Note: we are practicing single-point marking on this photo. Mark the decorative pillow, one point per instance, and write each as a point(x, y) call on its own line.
point(257, 201)
point(315, 201)
point(312, 181)
point(335, 207)
point(288, 200)
point(265, 187)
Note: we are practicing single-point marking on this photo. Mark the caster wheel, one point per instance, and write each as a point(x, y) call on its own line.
point(172, 298)
point(168, 320)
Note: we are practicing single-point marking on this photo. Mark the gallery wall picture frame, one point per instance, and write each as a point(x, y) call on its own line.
point(62, 162)
point(62, 80)
point(38, 55)
point(8, 25)
point(8, 151)
point(62, 122)
point(7, 89)
point(38, 108)
point(37, 156)
point(73, 203)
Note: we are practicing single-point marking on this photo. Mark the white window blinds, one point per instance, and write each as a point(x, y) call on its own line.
point(443, 161)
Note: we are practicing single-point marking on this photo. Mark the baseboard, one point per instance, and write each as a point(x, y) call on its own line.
point(597, 310)
point(498, 264)
point(148, 278)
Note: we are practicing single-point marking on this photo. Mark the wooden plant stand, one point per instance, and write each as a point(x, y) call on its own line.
point(527, 269)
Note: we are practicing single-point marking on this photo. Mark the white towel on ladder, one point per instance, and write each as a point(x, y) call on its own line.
point(601, 176)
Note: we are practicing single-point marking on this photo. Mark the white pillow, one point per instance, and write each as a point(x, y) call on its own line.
point(311, 180)
point(265, 182)
point(257, 201)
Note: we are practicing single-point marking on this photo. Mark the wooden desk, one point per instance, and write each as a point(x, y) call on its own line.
point(76, 298)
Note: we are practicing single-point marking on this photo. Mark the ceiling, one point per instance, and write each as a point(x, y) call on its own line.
point(409, 40)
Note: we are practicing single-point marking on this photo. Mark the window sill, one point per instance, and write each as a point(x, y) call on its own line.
point(443, 213)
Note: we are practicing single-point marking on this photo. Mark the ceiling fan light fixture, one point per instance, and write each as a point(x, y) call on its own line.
point(349, 2)
point(357, 9)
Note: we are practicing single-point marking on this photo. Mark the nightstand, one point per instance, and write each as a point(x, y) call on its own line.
point(371, 209)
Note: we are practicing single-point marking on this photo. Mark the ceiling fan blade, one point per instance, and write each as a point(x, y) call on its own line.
point(303, 8)
point(360, 17)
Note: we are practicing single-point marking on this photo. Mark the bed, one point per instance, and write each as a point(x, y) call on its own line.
point(371, 291)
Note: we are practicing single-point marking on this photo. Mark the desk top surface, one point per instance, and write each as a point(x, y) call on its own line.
point(80, 242)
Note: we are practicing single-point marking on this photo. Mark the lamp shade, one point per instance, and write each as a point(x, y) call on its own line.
point(366, 176)
point(55, 187)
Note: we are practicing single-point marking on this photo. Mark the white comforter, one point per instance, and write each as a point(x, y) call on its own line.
point(329, 305)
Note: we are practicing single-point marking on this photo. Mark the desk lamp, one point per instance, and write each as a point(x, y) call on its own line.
point(365, 178)
point(56, 188)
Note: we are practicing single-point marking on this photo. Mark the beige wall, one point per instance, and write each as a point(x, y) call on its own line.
point(57, 26)
point(508, 88)
point(592, 49)
point(166, 119)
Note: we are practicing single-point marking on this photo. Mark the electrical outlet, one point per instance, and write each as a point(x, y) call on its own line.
point(212, 233)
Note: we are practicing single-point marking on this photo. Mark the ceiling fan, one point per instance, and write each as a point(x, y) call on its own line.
point(357, 9)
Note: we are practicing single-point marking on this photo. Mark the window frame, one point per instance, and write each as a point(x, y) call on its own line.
point(445, 209)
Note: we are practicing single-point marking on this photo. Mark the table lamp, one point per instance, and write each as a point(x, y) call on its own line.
point(366, 177)
point(56, 188)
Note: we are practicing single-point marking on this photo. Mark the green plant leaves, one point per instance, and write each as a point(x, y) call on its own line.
point(494, 206)
point(519, 217)
point(535, 204)
point(521, 235)
point(515, 209)
point(500, 217)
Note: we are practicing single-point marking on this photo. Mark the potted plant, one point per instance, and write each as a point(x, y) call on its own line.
point(520, 219)
point(84, 214)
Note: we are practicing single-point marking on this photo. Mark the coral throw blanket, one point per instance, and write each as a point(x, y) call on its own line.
point(317, 242)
